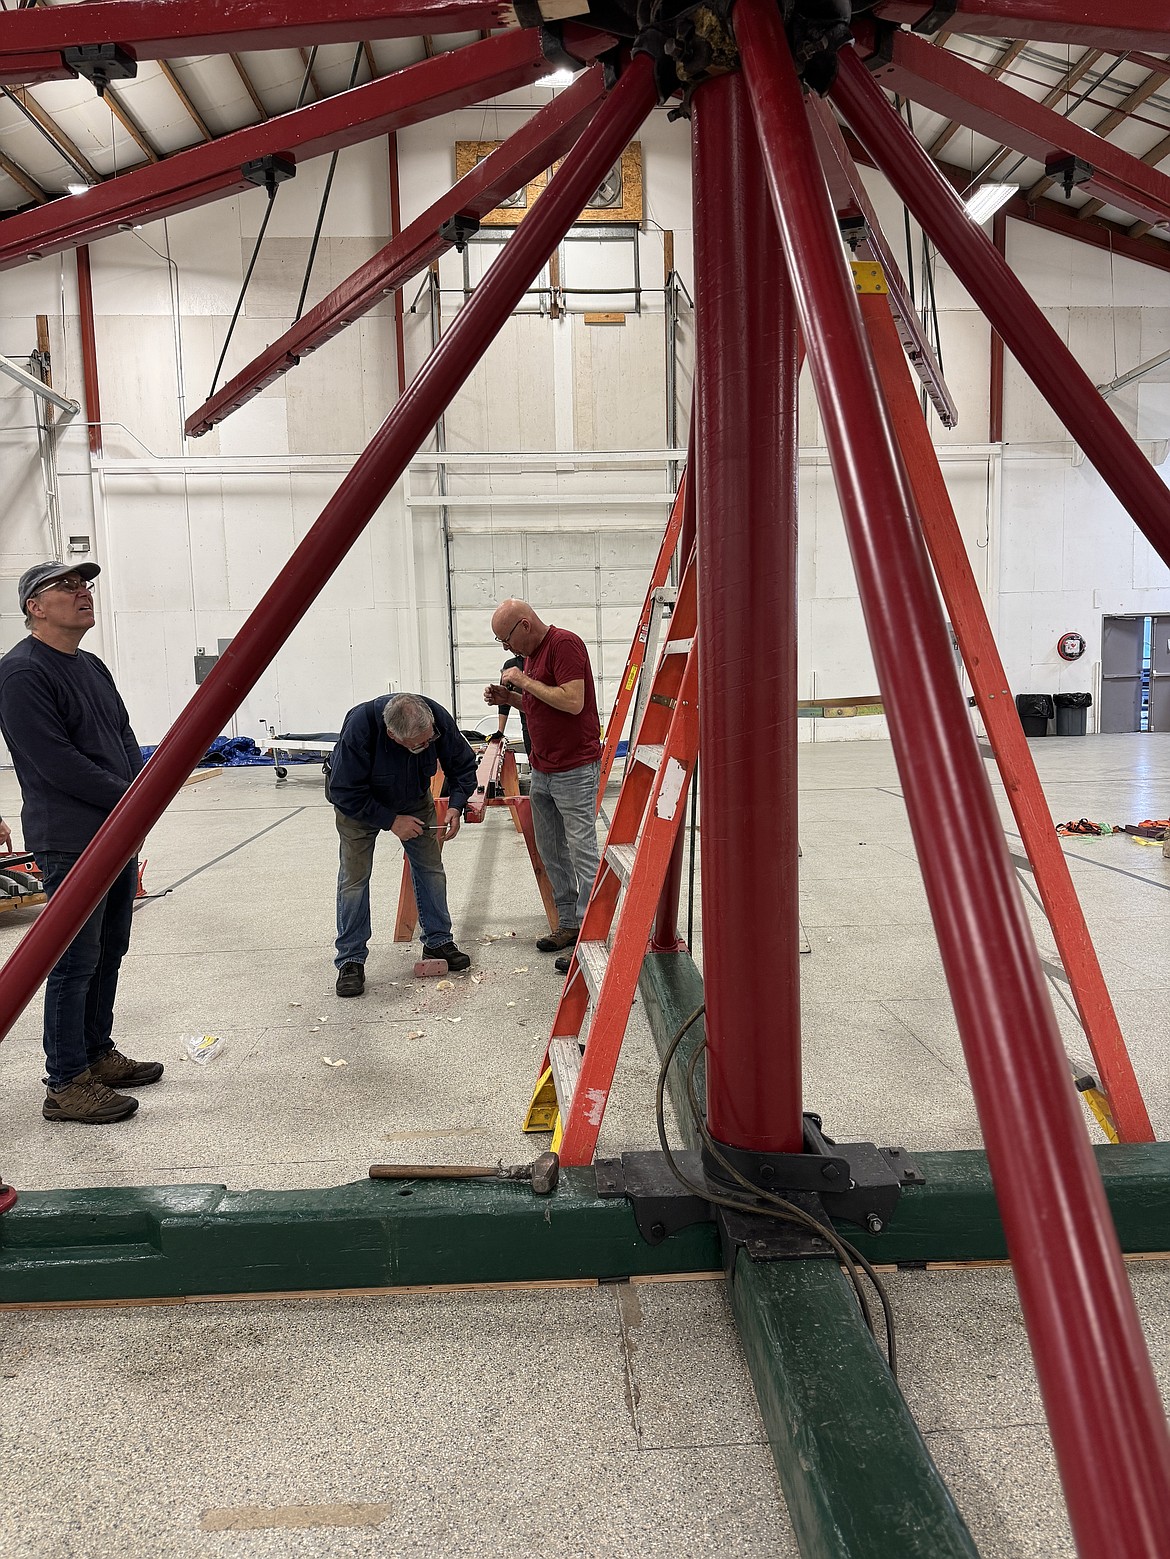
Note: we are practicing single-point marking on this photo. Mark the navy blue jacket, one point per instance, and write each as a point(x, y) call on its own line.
point(372, 779)
point(71, 743)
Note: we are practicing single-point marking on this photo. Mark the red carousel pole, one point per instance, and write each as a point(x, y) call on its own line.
point(1077, 1305)
point(745, 491)
point(343, 519)
point(985, 273)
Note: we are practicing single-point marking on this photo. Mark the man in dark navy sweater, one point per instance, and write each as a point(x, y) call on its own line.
point(75, 757)
point(380, 780)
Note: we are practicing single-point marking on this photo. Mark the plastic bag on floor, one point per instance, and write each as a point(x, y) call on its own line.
point(202, 1048)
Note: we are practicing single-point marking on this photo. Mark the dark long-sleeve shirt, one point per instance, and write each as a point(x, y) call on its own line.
point(71, 743)
point(372, 778)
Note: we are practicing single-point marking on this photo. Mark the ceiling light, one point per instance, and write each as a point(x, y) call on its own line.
point(76, 189)
point(988, 198)
point(559, 78)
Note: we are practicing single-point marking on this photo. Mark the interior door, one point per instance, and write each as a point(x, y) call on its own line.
point(1122, 649)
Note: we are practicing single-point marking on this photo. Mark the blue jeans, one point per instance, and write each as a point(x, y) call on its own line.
point(564, 819)
point(80, 990)
point(353, 883)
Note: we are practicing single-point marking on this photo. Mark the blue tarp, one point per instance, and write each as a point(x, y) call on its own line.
point(236, 752)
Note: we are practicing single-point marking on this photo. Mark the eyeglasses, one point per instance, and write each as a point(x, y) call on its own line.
point(416, 749)
point(72, 584)
point(505, 640)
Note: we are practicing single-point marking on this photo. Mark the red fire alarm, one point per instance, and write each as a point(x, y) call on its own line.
point(1070, 646)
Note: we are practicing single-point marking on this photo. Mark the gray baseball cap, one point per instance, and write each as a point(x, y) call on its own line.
point(42, 574)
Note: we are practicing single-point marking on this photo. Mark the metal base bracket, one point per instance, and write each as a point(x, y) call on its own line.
point(858, 1182)
point(864, 1188)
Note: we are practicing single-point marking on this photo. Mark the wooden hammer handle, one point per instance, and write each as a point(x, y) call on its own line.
point(432, 1171)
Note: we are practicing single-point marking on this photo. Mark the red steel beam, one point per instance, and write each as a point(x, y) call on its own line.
point(1118, 27)
point(847, 189)
point(33, 39)
point(1055, 217)
point(985, 274)
point(1080, 1315)
point(453, 80)
point(995, 378)
point(745, 504)
point(1012, 755)
point(395, 230)
point(341, 522)
point(943, 82)
point(535, 146)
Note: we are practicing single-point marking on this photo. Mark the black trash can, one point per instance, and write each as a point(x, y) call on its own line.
point(1071, 713)
point(1035, 710)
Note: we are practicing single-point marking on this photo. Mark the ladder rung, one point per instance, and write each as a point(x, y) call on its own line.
point(650, 756)
point(621, 858)
point(593, 957)
point(564, 1057)
point(677, 646)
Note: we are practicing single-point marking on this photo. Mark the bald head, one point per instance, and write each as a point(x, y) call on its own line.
point(517, 626)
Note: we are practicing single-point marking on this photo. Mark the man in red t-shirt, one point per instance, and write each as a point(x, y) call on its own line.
point(555, 691)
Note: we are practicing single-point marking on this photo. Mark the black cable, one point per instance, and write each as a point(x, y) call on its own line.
point(773, 1206)
point(357, 61)
point(272, 188)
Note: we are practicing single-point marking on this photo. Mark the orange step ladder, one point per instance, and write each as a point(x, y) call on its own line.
point(576, 1077)
point(629, 683)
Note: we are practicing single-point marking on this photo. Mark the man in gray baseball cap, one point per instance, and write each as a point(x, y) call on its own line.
point(75, 757)
point(41, 575)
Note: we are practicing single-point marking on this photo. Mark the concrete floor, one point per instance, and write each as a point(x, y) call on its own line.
point(569, 1421)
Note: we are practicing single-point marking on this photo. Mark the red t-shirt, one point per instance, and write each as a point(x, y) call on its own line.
point(561, 741)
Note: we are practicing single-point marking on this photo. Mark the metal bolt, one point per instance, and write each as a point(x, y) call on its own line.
point(830, 1172)
point(874, 1224)
point(658, 1231)
point(767, 1173)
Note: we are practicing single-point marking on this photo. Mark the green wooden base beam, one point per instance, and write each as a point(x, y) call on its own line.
point(857, 1477)
point(169, 1241)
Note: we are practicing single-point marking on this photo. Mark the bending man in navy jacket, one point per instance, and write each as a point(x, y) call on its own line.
point(380, 779)
point(75, 756)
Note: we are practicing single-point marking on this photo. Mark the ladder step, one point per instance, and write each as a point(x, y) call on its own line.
point(593, 957)
point(621, 858)
point(564, 1057)
point(650, 756)
point(677, 646)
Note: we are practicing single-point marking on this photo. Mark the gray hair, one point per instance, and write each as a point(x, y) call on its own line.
point(407, 715)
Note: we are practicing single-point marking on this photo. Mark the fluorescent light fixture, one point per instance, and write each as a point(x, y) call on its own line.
point(559, 78)
point(76, 189)
point(988, 198)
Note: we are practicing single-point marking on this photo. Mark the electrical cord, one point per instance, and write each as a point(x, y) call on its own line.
point(773, 1206)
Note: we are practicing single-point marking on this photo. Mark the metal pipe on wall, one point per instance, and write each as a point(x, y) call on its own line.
point(343, 519)
point(1077, 1305)
point(745, 495)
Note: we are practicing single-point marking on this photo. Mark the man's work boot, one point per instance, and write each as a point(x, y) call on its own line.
point(351, 980)
point(556, 940)
point(118, 1071)
point(85, 1099)
point(456, 961)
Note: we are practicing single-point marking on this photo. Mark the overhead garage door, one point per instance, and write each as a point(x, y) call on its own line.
point(590, 581)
